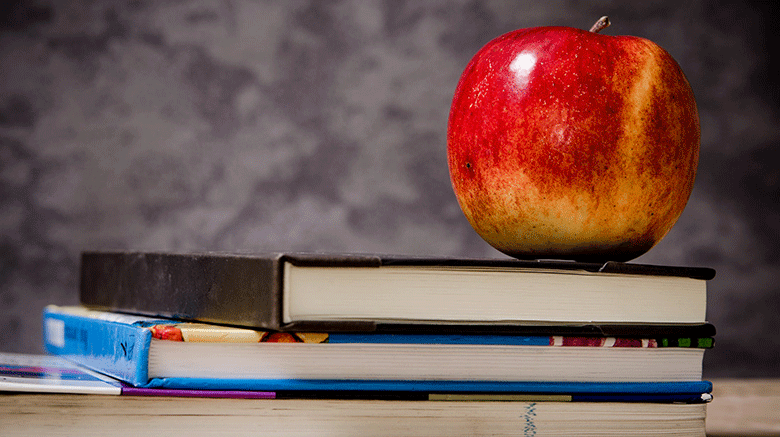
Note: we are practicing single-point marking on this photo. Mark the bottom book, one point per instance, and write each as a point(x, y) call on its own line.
point(88, 415)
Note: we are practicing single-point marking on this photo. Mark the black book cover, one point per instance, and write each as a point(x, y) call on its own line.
point(246, 290)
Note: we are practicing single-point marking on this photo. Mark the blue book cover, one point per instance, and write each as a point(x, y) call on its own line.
point(113, 344)
point(160, 353)
point(687, 391)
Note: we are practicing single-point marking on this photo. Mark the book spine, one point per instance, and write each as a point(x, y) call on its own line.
point(116, 349)
point(583, 390)
point(239, 290)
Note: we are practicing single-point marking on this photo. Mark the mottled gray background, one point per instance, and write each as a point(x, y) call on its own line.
point(320, 125)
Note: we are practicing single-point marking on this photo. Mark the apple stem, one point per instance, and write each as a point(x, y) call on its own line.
point(600, 25)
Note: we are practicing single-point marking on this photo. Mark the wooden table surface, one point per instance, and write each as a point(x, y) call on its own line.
point(744, 407)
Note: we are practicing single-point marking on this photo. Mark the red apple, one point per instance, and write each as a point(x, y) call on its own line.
point(571, 144)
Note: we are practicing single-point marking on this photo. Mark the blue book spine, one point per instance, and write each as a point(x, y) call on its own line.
point(619, 390)
point(114, 348)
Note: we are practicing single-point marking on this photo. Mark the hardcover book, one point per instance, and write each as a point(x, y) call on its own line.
point(151, 352)
point(327, 292)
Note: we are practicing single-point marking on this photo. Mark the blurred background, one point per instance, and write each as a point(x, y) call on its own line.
point(238, 125)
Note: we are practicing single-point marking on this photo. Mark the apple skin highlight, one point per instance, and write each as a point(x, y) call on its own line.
point(569, 144)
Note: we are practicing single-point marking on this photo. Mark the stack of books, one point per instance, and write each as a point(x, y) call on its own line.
point(567, 348)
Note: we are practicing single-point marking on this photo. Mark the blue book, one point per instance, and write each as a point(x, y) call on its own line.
point(160, 353)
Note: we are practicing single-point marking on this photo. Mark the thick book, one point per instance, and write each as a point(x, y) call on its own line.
point(150, 352)
point(78, 415)
point(30, 373)
point(367, 292)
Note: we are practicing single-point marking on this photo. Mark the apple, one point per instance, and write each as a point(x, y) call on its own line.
point(570, 144)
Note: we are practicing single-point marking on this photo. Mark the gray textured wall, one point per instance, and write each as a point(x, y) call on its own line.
point(320, 125)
